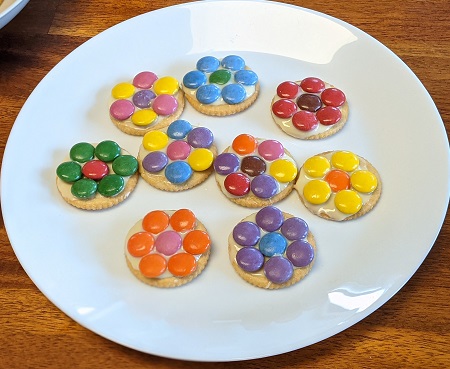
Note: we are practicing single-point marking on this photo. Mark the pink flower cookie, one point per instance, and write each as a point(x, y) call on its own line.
point(309, 109)
point(146, 103)
point(167, 248)
point(255, 172)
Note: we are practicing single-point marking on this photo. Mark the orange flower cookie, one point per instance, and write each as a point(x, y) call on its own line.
point(309, 109)
point(255, 172)
point(146, 103)
point(97, 176)
point(177, 158)
point(272, 249)
point(338, 185)
point(167, 248)
point(221, 87)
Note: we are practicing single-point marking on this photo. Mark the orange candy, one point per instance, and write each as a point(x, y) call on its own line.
point(244, 144)
point(196, 242)
point(155, 221)
point(182, 220)
point(182, 264)
point(152, 265)
point(140, 244)
point(338, 180)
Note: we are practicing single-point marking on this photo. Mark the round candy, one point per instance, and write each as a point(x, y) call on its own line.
point(220, 77)
point(348, 201)
point(345, 160)
point(123, 90)
point(183, 220)
point(207, 94)
point(168, 242)
point(246, 233)
point(333, 97)
point(246, 77)
point(271, 150)
point(364, 181)
point(200, 137)
point(140, 244)
point(269, 218)
point(200, 159)
point(272, 243)
point(233, 62)
point(166, 86)
point(244, 144)
point(264, 186)
point(305, 120)
point(194, 79)
point(155, 161)
point(234, 93)
point(253, 165)
point(107, 151)
point(111, 185)
point(317, 191)
point(312, 85)
point(144, 79)
point(179, 129)
point(95, 169)
point(208, 64)
point(144, 117)
point(278, 269)
point(84, 188)
point(165, 104)
point(309, 102)
point(155, 140)
point(288, 90)
point(250, 259)
point(69, 171)
point(178, 172)
point(121, 109)
point(178, 150)
point(125, 165)
point(283, 170)
point(196, 242)
point(284, 108)
point(316, 166)
point(338, 180)
point(294, 228)
point(143, 98)
point(155, 221)
point(329, 115)
point(182, 264)
point(226, 163)
point(300, 253)
point(82, 152)
point(152, 265)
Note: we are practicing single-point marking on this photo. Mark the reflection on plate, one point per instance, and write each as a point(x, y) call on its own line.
point(76, 257)
point(9, 9)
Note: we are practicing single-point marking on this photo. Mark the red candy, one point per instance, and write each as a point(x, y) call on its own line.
point(284, 108)
point(305, 120)
point(237, 184)
point(333, 97)
point(329, 115)
point(95, 169)
point(288, 90)
point(312, 84)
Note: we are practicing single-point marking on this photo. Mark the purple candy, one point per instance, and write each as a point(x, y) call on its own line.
point(264, 186)
point(246, 233)
point(155, 161)
point(278, 269)
point(300, 253)
point(294, 229)
point(226, 163)
point(143, 98)
point(200, 137)
point(249, 259)
point(269, 218)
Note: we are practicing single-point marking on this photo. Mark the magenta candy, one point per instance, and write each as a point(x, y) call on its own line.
point(178, 150)
point(168, 242)
point(165, 104)
point(121, 109)
point(144, 79)
point(271, 150)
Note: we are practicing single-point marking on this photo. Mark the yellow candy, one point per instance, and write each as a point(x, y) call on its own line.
point(364, 181)
point(345, 160)
point(155, 140)
point(144, 117)
point(317, 191)
point(166, 85)
point(200, 159)
point(316, 166)
point(122, 90)
point(283, 170)
point(348, 202)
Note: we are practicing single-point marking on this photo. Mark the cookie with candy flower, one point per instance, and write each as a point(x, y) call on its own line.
point(255, 172)
point(221, 87)
point(177, 158)
point(167, 248)
point(309, 109)
point(97, 176)
point(146, 103)
point(272, 249)
point(338, 185)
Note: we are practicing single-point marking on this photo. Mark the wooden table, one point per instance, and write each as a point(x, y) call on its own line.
point(409, 331)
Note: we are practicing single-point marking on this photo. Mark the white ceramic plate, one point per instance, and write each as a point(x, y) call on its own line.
point(76, 257)
point(9, 9)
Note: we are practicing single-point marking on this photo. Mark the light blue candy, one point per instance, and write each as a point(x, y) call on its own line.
point(246, 77)
point(233, 93)
point(233, 62)
point(207, 94)
point(194, 79)
point(208, 64)
point(178, 172)
point(179, 129)
point(272, 243)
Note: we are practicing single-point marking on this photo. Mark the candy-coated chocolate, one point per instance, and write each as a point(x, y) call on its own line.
point(269, 218)
point(121, 109)
point(107, 150)
point(69, 171)
point(166, 86)
point(155, 221)
point(82, 152)
point(200, 137)
point(329, 115)
point(200, 159)
point(345, 160)
point(208, 64)
point(253, 165)
point(317, 191)
point(294, 228)
point(288, 90)
point(237, 184)
point(165, 104)
point(333, 97)
point(140, 244)
point(110, 185)
point(95, 169)
point(194, 79)
point(155, 140)
point(155, 161)
point(196, 242)
point(312, 85)
point(246, 77)
point(143, 98)
point(84, 188)
point(348, 201)
point(183, 220)
point(309, 102)
point(244, 144)
point(220, 77)
point(283, 170)
point(207, 94)
point(178, 172)
point(125, 165)
point(278, 269)
point(123, 90)
point(300, 253)
point(246, 234)
point(264, 186)
point(182, 264)
point(178, 150)
point(272, 243)
point(168, 242)
point(234, 93)
point(338, 180)
point(284, 108)
point(305, 121)
point(226, 163)
point(250, 259)
point(152, 265)
point(233, 62)
point(316, 166)
point(364, 181)
point(144, 79)
point(270, 150)
point(179, 129)
point(144, 117)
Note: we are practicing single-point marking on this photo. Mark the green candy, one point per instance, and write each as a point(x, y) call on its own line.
point(125, 165)
point(69, 171)
point(220, 77)
point(107, 151)
point(82, 152)
point(110, 185)
point(85, 188)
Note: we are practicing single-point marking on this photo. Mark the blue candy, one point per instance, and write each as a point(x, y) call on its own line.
point(179, 129)
point(194, 79)
point(207, 94)
point(178, 172)
point(233, 93)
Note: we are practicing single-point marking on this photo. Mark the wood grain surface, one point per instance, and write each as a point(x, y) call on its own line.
point(410, 331)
